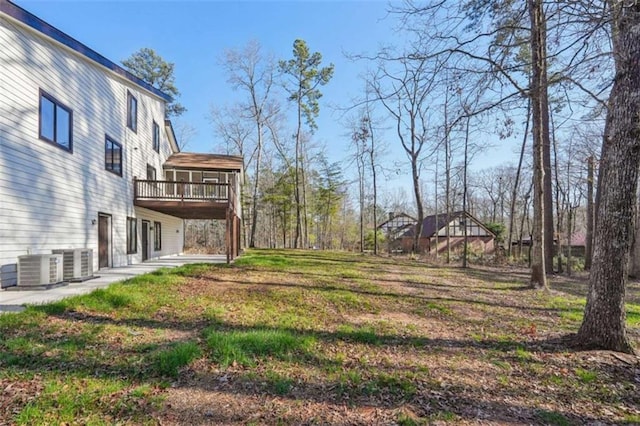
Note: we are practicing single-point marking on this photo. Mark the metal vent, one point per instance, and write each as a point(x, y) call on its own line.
point(39, 269)
point(77, 264)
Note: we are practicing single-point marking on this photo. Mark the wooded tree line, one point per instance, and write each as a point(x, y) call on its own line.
point(570, 65)
point(563, 74)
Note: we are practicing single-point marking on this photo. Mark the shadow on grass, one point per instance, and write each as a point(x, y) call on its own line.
point(394, 295)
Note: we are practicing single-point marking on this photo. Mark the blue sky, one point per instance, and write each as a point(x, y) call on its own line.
point(194, 34)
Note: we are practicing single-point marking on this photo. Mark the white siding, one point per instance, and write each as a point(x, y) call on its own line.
point(456, 229)
point(172, 233)
point(50, 198)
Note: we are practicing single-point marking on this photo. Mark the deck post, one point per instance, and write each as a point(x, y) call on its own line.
point(227, 236)
point(238, 233)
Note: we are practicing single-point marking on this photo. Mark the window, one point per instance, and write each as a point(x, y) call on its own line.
point(157, 234)
point(55, 122)
point(132, 235)
point(156, 137)
point(151, 172)
point(113, 156)
point(132, 112)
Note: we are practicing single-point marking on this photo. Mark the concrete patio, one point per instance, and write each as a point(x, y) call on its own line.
point(15, 301)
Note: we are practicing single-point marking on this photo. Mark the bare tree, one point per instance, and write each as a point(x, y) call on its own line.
point(405, 94)
point(185, 133)
point(359, 139)
point(235, 138)
point(495, 39)
point(252, 72)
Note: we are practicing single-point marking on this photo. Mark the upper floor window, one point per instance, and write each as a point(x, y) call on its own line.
point(132, 112)
point(56, 122)
point(113, 156)
point(156, 137)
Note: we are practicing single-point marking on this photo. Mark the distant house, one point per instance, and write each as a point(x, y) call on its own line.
point(578, 244)
point(395, 227)
point(434, 233)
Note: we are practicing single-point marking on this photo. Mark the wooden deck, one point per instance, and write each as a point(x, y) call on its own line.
point(186, 200)
point(194, 200)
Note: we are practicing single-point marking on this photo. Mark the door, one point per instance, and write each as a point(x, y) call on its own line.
point(104, 240)
point(145, 240)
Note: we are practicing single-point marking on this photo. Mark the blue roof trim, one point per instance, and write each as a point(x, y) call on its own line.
point(41, 26)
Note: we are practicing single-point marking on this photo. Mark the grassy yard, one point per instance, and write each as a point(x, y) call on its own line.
point(301, 337)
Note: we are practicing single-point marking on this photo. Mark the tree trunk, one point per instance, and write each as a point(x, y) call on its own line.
point(569, 242)
point(447, 185)
point(590, 212)
point(604, 320)
point(545, 136)
point(372, 159)
point(539, 109)
point(634, 256)
point(560, 206)
point(464, 194)
point(298, 231)
point(256, 183)
point(359, 162)
point(514, 193)
point(415, 173)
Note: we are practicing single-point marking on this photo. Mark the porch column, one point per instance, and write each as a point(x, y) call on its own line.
point(238, 235)
point(227, 235)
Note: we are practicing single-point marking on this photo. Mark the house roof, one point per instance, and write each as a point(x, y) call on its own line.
point(192, 161)
point(48, 30)
point(399, 219)
point(430, 226)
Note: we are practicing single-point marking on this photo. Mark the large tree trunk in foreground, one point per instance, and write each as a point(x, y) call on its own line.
point(604, 320)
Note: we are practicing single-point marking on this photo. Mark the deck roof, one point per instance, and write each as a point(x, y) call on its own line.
point(197, 161)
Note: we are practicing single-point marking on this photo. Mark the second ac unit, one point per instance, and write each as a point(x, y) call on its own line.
point(77, 263)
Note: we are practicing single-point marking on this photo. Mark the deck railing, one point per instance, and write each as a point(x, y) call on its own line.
point(182, 191)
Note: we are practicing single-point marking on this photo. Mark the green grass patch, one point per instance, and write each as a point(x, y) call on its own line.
point(168, 361)
point(631, 419)
point(443, 416)
point(503, 365)
point(365, 334)
point(523, 355)
point(633, 315)
point(553, 418)
point(586, 376)
point(347, 301)
point(278, 384)
point(394, 384)
point(404, 419)
point(248, 347)
point(66, 400)
point(265, 261)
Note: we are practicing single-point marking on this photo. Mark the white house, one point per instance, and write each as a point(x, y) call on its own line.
point(84, 146)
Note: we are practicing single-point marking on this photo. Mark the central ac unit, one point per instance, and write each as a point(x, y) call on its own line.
point(39, 269)
point(77, 263)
